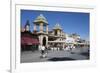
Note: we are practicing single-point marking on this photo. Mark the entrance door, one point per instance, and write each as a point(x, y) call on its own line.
point(44, 41)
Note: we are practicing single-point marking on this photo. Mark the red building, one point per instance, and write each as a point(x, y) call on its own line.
point(29, 41)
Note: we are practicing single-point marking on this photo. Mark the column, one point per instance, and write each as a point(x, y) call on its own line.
point(46, 40)
point(63, 45)
point(53, 32)
point(58, 32)
point(41, 27)
point(40, 39)
point(35, 27)
point(47, 29)
point(61, 33)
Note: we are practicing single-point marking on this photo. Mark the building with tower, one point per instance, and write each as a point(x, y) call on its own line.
point(57, 37)
point(54, 38)
point(42, 22)
point(41, 35)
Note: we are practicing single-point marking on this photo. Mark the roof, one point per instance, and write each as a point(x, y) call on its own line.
point(29, 41)
point(27, 23)
point(57, 26)
point(41, 18)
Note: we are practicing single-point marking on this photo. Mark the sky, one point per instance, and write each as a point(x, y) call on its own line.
point(71, 22)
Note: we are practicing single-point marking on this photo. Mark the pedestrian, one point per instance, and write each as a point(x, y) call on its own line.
point(40, 49)
point(71, 48)
point(43, 52)
point(46, 50)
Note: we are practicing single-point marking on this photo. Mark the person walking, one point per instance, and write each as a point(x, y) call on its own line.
point(70, 48)
point(42, 52)
point(46, 50)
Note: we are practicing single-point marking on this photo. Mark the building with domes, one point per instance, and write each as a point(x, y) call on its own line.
point(57, 37)
point(54, 38)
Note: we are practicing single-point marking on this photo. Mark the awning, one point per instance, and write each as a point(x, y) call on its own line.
point(29, 41)
point(56, 41)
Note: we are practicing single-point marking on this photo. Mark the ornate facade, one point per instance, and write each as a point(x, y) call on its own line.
point(54, 38)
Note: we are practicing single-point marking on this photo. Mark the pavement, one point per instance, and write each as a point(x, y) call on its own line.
point(63, 55)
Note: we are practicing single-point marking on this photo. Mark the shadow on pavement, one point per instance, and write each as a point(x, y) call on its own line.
point(61, 59)
point(86, 54)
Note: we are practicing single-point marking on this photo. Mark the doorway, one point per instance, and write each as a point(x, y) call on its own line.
point(44, 41)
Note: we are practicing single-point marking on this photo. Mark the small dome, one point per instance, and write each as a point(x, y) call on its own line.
point(41, 18)
point(57, 26)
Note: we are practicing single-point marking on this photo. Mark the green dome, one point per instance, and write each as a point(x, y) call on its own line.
point(41, 18)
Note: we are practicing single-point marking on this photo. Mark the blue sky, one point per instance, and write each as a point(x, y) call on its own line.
point(71, 22)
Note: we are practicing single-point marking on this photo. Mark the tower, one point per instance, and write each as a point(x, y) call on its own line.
point(27, 26)
point(42, 22)
point(57, 30)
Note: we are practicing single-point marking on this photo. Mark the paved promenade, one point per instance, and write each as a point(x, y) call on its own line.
point(75, 54)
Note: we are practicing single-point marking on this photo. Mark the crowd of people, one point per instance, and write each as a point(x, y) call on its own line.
point(44, 50)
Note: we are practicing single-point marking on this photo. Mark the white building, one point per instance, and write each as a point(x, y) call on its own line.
point(69, 39)
point(75, 40)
